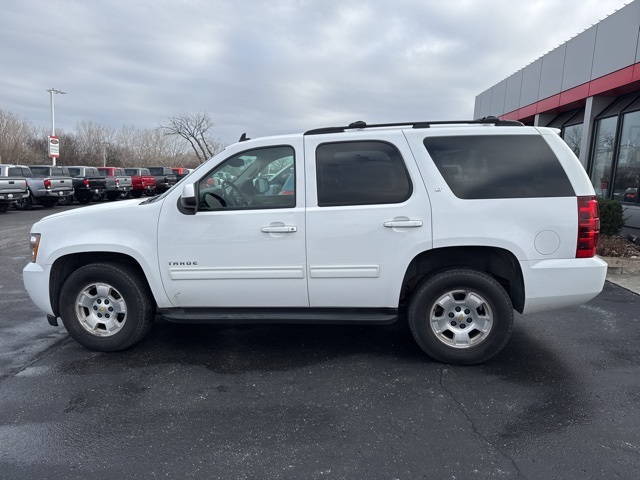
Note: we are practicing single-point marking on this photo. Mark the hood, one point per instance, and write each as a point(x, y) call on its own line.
point(91, 209)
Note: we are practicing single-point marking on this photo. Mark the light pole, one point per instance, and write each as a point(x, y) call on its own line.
point(53, 91)
point(104, 154)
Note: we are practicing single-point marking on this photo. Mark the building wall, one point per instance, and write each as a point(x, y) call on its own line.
point(606, 47)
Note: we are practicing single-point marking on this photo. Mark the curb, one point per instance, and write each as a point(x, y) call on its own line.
point(621, 265)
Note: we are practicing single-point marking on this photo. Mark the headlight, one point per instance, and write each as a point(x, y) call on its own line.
point(34, 243)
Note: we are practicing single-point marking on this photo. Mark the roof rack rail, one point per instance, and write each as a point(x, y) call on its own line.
point(361, 125)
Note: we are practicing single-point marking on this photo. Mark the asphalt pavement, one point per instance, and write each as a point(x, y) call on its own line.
point(317, 402)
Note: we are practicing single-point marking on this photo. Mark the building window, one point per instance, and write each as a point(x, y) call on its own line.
point(627, 174)
point(601, 169)
point(572, 135)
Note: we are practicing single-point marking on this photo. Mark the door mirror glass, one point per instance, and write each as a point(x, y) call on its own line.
point(261, 185)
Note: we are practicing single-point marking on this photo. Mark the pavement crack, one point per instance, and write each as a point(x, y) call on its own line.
point(474, 427)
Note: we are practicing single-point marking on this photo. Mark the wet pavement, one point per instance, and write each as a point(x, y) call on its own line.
point(289, 402)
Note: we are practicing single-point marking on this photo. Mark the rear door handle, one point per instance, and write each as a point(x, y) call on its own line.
point(280, 229)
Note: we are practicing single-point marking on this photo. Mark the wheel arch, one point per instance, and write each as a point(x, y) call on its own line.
point(64, 266)
point(501, 264)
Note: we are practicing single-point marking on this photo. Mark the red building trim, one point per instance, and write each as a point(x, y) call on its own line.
point(617, 83)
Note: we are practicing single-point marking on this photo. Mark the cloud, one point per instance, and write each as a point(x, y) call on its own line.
point(271, 67)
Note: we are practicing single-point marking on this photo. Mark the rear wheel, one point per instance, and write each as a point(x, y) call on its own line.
point(24, 204)
point(106, 307)
point(461, 316)
point(136, 193)
point(84, 199)
point(4, 207)
point(49, 202)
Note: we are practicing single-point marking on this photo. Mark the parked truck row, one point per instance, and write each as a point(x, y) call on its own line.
point(23, 186)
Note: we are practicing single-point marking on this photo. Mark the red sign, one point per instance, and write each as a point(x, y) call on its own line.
point(54, 146)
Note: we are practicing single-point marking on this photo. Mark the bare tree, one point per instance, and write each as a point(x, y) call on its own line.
point(195, 129)
point(16, 135)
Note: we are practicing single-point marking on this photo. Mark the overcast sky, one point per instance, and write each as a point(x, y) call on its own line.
point(275, 66)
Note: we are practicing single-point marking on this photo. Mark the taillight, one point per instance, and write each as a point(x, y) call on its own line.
point(117, 182)
point(86, 182)
point(588, 227)
point(47, 184)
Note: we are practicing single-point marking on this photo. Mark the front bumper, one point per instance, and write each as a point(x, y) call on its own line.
point(36, 281)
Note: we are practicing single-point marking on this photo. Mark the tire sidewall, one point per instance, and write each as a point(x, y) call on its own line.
point(433, 288)
point(128, 285)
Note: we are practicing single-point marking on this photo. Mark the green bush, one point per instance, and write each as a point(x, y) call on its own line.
point(611, 216)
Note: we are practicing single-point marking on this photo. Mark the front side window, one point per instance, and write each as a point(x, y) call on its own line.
point(251, 180)
point(601, 173)
point(499, 166)
point(360, 173)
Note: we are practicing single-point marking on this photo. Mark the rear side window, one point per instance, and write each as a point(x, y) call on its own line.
point(360, 173)
point(499, 166)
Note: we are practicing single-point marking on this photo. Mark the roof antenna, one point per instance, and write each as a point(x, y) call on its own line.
point(243, 138)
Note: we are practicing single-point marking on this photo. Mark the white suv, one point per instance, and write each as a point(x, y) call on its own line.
point(455, 223)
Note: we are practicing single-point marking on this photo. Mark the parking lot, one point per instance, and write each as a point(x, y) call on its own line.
point(290, 402)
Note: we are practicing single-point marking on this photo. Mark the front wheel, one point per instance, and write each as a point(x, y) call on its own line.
point(106, 307)
point(461, 316)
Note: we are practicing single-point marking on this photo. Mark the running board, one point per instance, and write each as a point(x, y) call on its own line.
point(350, 316)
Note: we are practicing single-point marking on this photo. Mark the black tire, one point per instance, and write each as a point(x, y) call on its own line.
point(136, 193)
point(67, 200)
point(4, 207)
point(84, 199)
point(24, 204)
point(460, 316)
point(124, 195)
point(106, 307)
point(111, 196)
point(49, 202)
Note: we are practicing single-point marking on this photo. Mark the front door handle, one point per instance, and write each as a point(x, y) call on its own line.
point(403, 223)
point(280, 229)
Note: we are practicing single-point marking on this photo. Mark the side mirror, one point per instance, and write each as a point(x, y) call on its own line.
point(261, 185)
point(188, 197)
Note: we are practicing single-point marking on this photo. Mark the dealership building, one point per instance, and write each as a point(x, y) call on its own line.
point(588, 88)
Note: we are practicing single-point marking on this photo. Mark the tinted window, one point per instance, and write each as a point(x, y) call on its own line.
point(42, 171)
point(130, 171)
point(360, 173)
point(15, 172)
point(92, 172)
point(156, 171)
point(499, 166)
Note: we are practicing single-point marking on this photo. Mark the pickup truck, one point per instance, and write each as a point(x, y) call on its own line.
point(118, 183)
point(87, 183)
point(449, 226)
point(142, 181)
point(13, 186)
point(47, 184)
point(180, 172)
point(165, 178)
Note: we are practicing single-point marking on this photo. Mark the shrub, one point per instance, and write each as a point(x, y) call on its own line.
point(611, 217)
